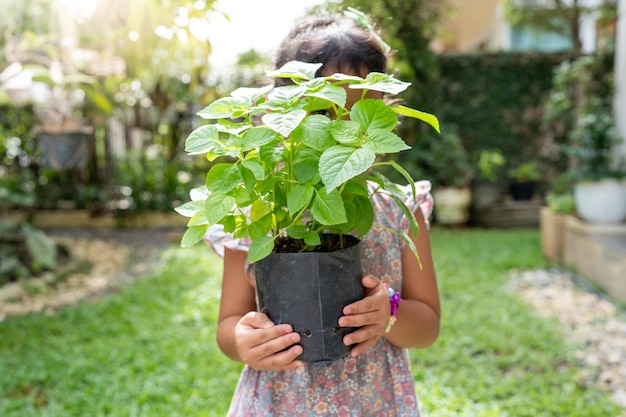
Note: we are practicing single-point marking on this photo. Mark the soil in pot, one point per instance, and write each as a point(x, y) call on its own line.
point(309, 291)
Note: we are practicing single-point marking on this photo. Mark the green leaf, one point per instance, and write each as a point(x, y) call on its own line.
point(364, 215)
point(296, 69)
point(257, 137)
point(260, 227)
point(190, 208)
point(252, 94)
point(314, 132)
point(193, 235)
point(198, 219)
point(312, 239)
point(299, 197)
point(385, 83)
point(217, 206)
point(425, 117)
point(345, 131)
point(225, 108)
point(306, 164)
point(260, 248)
point(373, 114)
point(260, 209)
point(204, 139)
point(298, 231)
point(284, 123)
point(255, 168)
point(340, 163)
point(409, 242)
point(383, 141)
point(333, 93)
point(328, 208)
point(414, 227)
point(223, 178)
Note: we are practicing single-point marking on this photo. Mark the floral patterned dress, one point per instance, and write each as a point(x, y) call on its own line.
point(376, 383)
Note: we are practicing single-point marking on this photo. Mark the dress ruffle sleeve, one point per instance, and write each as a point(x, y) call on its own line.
point(219, 240)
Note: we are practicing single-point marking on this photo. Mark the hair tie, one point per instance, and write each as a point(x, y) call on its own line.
point(361, 19)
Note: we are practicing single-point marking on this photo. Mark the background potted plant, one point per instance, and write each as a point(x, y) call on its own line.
point(524, 180)
point(299, 186)
point(445, 162)
point(581, 102)
point(599, 187)
point(65, 132)
point(487, 185)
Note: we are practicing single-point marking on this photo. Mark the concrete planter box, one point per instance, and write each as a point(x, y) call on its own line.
point(552, 226)
point(598, 253)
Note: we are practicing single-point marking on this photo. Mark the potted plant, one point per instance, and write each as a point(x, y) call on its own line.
point(65, 130)
point(599, 188)
point(523, 181)
point(486, 186)
point(298, 186)
point(581, 99)
point(444, 160)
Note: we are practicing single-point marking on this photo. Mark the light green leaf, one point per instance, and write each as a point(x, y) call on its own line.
point(198, 219)
point(252, 94)
point(255, 168)
point(383, 141)
point(314, 132)
point(373, 114)
point(217, 206)
point(260, 248)
point(340, 163)
point(260, 227)
point(345, 131)
point(312, 239)
point(328, 208)
point(420, 115)
point(260, 209)
point(204, 139)
point(224, 108)
point(299, 197)
point(332, 93)
point(385, 83)
point(297, 231)
point(414, 227)
point(193, 235)
point(190, 208)
point(295, 69)
point(284, 123)
point(257, 137)
point(224, 177)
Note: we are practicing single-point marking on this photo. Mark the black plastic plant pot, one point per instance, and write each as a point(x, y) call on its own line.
point(309, 291)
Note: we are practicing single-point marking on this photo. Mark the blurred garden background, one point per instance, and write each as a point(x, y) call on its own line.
point(101, 313)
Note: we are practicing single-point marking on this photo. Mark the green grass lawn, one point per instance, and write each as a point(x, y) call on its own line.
point(150, 350)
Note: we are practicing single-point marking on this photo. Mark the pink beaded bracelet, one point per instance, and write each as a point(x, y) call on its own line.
point(394, 303)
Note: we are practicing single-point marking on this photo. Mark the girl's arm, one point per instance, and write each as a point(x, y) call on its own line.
point(245, 335)
point(417, 324)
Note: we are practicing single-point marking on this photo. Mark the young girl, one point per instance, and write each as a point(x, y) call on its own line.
point(375, 379)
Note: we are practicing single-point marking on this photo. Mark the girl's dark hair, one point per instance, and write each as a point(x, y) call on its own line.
point(334, 40)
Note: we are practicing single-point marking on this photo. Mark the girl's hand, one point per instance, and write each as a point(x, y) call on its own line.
point(263, 345)
point(371, 314)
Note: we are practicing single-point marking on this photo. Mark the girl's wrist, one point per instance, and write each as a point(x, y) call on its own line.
point(394, 303)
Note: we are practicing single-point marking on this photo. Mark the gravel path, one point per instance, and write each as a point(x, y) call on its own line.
point(595, 325)
point(103, 262)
